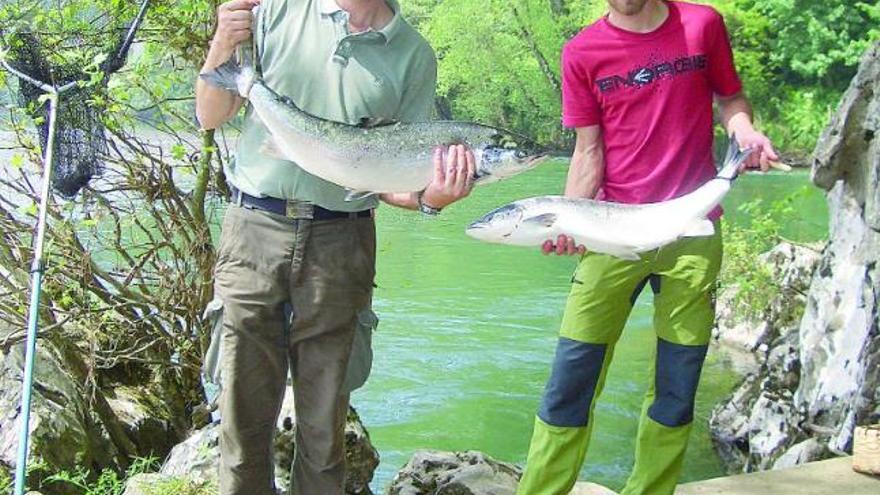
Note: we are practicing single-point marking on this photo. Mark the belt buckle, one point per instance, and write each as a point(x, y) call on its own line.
point(300, 210)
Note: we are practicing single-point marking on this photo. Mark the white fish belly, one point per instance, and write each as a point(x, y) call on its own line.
point(372, 173)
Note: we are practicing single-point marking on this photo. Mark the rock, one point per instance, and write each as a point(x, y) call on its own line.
point(63, 435)
point(140, 417)
point(840, 351)
point(791, 268)
point(820, 379)
point(583, 488)
point(197, 457)
point(455, 473)
point(196, 460)
point(800, 453)
point(361, 457)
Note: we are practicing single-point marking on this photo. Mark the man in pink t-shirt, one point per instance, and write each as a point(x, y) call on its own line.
point(638, 87)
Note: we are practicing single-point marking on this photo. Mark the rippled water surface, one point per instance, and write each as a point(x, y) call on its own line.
point(468, 332)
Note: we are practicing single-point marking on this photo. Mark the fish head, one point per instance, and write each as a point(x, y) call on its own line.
point(507, 154)
point(514, 224)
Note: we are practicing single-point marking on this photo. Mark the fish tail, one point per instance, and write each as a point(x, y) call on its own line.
point(224, 76)
point(734, 159)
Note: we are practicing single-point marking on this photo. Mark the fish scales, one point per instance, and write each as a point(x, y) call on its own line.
point(371, 159)
point(622, 230)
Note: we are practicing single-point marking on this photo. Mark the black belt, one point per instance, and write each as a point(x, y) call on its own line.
point(293, 209)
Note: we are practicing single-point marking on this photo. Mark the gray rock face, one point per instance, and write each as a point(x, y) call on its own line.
point(142, 420)
point(455, 473)
point(792, 269)
point(196, 460)
point(63, 434)
point(823, 378)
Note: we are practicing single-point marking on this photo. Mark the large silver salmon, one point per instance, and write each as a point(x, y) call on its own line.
point(384, 158)
point(622, 230)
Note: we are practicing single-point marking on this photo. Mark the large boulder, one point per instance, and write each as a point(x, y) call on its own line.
point(455, 473)
point(63, 433)
point(791, 267)
point(142, 417)
point(819, 381)
point(195, 461)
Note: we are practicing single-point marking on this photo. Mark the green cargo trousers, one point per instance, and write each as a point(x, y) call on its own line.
point(683, 276)
point(324, 271)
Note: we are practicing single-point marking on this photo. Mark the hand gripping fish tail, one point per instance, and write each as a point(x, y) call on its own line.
point(232, 77)
point(734, 159)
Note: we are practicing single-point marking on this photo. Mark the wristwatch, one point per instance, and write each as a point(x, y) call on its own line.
point(426, 209)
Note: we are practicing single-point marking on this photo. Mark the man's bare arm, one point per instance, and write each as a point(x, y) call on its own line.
point(216, 106)
point(585, 175)
point(587, 169)
point(736, 116)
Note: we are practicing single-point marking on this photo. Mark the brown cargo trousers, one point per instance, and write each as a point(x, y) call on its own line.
point(324, 271)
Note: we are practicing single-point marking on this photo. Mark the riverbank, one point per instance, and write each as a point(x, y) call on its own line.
point(468, 331)
point(815, 478)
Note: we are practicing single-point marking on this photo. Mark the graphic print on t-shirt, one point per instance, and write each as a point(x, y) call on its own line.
point(644, 75)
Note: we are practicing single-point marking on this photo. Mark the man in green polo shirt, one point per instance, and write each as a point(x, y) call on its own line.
point(291, 244)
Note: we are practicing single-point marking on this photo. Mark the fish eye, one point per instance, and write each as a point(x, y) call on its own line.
point(520, 154)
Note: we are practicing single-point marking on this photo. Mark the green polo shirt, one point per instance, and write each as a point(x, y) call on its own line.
point(308, 55)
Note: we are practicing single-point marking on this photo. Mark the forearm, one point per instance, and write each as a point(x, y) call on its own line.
point(215, 106)
point(587, 170)
point(408, 201)
point(736, 114)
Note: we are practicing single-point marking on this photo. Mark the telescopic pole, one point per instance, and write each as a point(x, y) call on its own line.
point(38, 268)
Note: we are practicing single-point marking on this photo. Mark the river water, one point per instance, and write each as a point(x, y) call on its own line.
point(468, 331)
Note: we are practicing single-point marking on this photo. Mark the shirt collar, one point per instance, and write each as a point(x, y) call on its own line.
point(331, 8)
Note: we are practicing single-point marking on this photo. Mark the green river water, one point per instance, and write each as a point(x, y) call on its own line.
point(468, 331)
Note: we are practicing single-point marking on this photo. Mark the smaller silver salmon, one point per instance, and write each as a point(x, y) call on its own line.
point(622, 230)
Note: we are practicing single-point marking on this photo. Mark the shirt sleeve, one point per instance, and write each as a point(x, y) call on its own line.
point(579, 105)
point(417, 103)
point(723, 77)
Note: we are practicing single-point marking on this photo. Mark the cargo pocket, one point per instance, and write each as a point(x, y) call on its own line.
point(360, 362)
point(211, 369)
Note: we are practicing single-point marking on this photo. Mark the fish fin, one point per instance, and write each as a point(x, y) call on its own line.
point(373, 122)
point(546, 220)
point(223, 76)
point(628, 255)
point(358, 195)
point(270, 148)
point(699, 228)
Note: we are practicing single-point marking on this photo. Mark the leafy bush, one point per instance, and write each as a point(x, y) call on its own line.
point(744, 242)
point(499, 60)
point(5, 481)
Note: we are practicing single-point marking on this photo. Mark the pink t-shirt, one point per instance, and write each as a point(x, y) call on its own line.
point(652, 95)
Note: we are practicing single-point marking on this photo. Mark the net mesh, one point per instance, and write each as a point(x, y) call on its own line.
point(80, 140)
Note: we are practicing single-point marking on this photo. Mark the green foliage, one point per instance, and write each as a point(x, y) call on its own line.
point(6, 481)
point(743, 243)
point(796, 57)
point(72, 34)
point(109, 482)
point(499, 60)
point(180, 486)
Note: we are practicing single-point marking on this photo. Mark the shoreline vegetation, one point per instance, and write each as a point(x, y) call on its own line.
point(130, 268)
